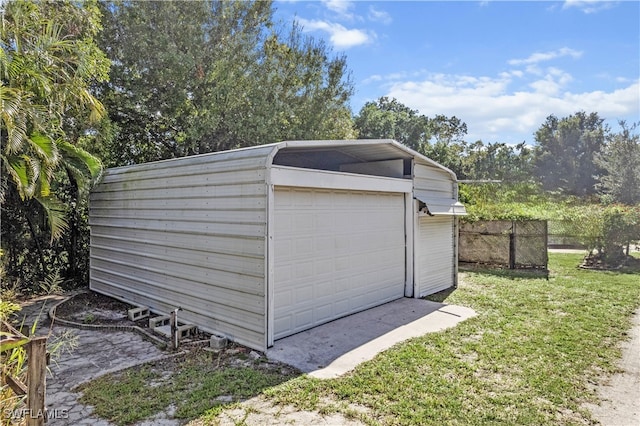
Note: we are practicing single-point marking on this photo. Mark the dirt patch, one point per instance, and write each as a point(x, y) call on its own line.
point(97, 309)
point(259, 411)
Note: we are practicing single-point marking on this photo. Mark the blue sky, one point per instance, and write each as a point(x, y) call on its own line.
point(501, 67)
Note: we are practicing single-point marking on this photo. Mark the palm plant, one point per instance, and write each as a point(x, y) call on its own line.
point(47, 61)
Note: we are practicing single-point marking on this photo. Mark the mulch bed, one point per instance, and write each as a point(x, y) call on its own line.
point(97, 309)
point(596, 261)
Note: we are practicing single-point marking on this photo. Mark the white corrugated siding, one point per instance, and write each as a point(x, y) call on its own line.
point(435, 254)
point(336, 253)
point(432, 182)
point(435, 241)
point(187, 232)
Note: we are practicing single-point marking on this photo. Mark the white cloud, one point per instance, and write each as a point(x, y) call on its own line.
point(339, 35)
point(589, 6)
point(538, 57)
point(492, 109)
point(372, 78)
point(376, 15)
point(341, 7)
point(554, 80)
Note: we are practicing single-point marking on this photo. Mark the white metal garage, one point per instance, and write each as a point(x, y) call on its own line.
point(263, 242)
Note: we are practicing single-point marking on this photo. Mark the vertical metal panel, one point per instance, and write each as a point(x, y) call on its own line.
point(516, 244)
point(409, 234)
point(187, 232)
point(269, 267)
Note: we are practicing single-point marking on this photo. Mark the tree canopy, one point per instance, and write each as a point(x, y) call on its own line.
point(441, 138)
point(47, 62)
point(564, 156)
point(620, 164)
point(390, 119)
point(196, 77)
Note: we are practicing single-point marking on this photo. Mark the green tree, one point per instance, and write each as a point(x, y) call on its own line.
point(564, 158)
point(48, 59)
point(439, 138)
point(195, 77)
point(509, 163)
point(620, 161)
point(389, 119)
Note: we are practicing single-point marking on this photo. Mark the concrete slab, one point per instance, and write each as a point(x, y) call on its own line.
point(333, 349)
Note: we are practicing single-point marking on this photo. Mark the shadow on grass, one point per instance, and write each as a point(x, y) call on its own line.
point(490, 270)
point(440, 296)
point(504, 272)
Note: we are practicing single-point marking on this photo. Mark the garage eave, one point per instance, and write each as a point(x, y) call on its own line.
point(432, 206)
point(331, 154)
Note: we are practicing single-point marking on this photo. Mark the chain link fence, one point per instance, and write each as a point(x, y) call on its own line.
point(512, 244)
point(563, 234)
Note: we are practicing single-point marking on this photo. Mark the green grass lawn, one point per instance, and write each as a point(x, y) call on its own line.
point(527, 358)
point(530, 357)
point(193, 384)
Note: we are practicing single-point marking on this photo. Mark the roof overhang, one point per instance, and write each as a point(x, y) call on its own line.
point(441, 206)
point(329, 155)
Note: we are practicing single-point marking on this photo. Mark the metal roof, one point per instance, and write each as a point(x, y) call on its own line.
point(312, 154)
point(330, 154)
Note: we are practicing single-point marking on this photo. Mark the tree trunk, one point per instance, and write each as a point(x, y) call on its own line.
point(34, 235)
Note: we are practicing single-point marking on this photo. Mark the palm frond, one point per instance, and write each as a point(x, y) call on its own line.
point(13, 116)
point(17, 168)
point(55, 212)
point(33, 169)
point(44, 182)
point(87, 165)
point(45, 147)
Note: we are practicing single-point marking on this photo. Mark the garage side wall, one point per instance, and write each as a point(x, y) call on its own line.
point(186, 233)
point(435, 236)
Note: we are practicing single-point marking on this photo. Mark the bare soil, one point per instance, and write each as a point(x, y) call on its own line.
point(97, 309)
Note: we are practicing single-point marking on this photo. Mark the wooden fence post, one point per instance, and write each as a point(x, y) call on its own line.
point(36, 381)
point(174, 328)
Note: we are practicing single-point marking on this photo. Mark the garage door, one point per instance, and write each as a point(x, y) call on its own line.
point(434, 251)
point(335, 253)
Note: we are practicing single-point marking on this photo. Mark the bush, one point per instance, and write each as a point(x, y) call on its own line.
point(608, 231)
point(620, 228)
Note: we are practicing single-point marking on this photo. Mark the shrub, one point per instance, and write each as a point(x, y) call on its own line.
point(620, 228)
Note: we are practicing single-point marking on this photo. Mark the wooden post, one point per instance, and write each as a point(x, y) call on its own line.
point(36, 381)
point(174, 329)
